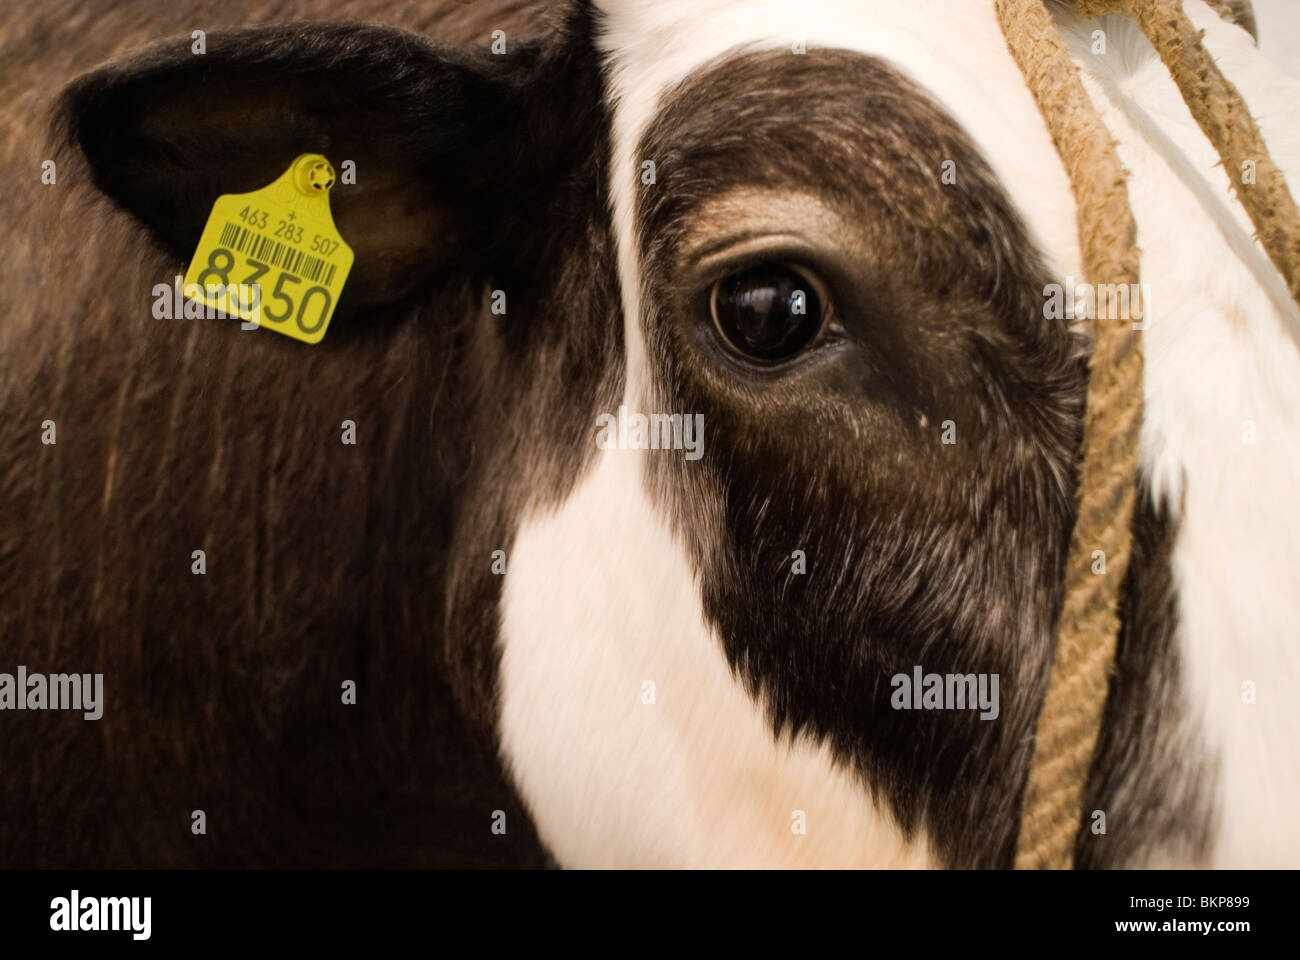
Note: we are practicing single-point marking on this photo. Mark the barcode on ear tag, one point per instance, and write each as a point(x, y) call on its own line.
point(274, 256)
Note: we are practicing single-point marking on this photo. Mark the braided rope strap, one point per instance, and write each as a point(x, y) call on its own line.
point(1226, 123)
point(1070, 718)
point(1071, 714)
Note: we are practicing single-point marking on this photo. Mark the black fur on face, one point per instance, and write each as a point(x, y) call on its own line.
point(1151, 775)
point(947, 556)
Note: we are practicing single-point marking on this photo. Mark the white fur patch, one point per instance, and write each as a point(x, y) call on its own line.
point(599, 602)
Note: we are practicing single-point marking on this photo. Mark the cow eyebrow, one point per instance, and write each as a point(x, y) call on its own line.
point(708, 249)
point(751, 221)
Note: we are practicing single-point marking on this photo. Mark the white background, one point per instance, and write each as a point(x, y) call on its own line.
point(1279, 32)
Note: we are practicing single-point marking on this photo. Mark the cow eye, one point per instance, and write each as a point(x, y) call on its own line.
point(767, 313)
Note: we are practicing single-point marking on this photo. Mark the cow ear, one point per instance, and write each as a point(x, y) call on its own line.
point(426, 127)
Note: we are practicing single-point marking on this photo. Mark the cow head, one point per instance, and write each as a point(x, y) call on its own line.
point(790, 224)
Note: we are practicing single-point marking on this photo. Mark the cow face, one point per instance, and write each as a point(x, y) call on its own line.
point(820, 268)
point(793, 228)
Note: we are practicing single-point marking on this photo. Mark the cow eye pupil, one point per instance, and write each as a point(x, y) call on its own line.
point(767, 313)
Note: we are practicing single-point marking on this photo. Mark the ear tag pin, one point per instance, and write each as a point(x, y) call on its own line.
point(274, 256)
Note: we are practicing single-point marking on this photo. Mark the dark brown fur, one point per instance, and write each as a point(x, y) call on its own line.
point(1152, 775)
point(325, 562)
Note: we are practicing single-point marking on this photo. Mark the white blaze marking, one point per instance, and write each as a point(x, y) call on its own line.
point(600, 598)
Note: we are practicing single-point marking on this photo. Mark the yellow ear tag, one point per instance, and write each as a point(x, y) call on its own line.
point(274, 256)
